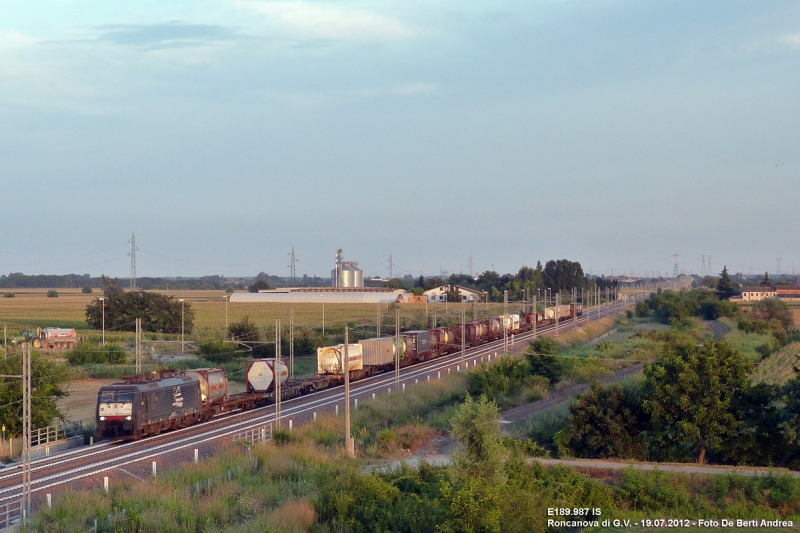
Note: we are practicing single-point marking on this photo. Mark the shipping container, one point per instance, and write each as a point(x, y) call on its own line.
point(379, 352)
point(564, 311)
point(418, 343)
point(330, 360)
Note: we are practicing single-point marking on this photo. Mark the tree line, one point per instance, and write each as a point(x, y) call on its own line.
point(556, 275)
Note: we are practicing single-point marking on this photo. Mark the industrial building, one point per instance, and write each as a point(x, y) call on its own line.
point(346, 273)
point(353, 295)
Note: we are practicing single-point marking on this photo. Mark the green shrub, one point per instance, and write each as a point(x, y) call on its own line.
point(9, 295)
point(86, 290)
point(52, 293)
point(86, 353)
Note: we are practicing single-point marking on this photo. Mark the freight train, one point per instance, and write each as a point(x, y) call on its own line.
point(157, 401)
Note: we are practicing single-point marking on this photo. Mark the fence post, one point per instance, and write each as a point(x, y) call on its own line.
point(154, 469)
point(105, 484)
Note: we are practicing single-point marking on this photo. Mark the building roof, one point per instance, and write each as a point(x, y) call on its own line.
point(758, 288)
point(459, 288)
point(346, 296)
point(787, 288)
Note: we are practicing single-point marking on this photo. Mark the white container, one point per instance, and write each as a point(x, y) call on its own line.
point(261, 374)
point(330, 360)
point(378, 352)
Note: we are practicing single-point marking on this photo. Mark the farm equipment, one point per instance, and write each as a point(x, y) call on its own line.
point(48, 338)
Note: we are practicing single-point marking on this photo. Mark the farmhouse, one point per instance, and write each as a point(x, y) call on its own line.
point(439, 294)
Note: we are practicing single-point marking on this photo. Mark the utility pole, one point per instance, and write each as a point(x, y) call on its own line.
point(349, 444)
point(463, 333)
point(103, 303)
point(25, 506)
point(277, 373)
point(323, 318)
point(5, 341)
point(397, 346)
point(505, 318)
point(291, 343)
point(138, 347)
point(378, 318)
point(574, 305)
point(182, 329)
point(558, 301)
point(535, 316)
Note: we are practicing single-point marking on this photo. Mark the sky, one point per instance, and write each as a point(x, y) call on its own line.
point(224, 133)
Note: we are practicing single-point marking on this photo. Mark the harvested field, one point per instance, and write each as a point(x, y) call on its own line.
point(32, 308)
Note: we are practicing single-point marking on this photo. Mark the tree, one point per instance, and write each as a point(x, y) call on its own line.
point(244, 330)
point(765, 282)
point(476, 426)
point(540, 354)
point(725, 288)
point(454, 296)
point(159, 313)
point(689, 392)
point(259, 285)
point(607, 422)
point(86, 290)
point(52, 293)
point(47, 381)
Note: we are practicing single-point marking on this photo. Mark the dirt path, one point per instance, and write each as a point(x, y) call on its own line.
point(668, 467)
point(82, 400)
point(718, 328)
point(524, 412)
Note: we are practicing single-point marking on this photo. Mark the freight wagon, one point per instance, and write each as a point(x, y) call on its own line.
point(169, 399)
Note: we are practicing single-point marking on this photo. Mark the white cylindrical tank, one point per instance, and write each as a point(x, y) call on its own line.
point(330, 359)
point(261, 374)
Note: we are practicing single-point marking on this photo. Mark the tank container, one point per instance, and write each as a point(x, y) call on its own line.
point(213, 383)
point(261, 374)
point(330, 360)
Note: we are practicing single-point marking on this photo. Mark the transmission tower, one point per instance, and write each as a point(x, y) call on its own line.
point(470, 267)
point(703, 267)
point(133, 260)
point(675, 270)
point(391, 267)
point(292, 266)
point(710, 272)
point(778, 273)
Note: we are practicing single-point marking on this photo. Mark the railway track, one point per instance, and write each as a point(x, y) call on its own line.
point(85, 467)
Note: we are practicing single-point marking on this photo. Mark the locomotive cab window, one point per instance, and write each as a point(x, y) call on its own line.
point(125, 396)
point(108, 396)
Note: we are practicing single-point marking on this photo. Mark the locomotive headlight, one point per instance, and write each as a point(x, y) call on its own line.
point(102, 418)
point(128, 418)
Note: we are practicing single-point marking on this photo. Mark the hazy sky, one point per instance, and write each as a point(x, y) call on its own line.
point(223, 133)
